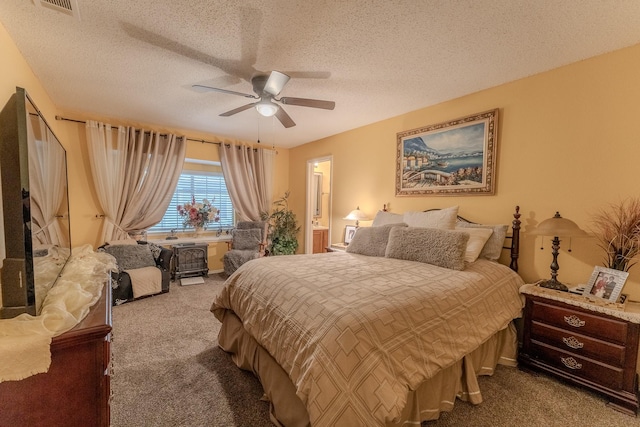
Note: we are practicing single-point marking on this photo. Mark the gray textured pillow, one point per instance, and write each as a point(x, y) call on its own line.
point(129, 257)
point(371, 241)
point(435, 246)
point(247, 239)
point(493, 248)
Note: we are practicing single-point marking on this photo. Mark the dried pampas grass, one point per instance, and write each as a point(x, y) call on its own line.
point(617, 229)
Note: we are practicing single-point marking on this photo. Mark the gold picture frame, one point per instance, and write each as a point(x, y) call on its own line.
point(457, 157)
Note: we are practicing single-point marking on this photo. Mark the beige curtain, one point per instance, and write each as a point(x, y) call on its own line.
point(135, 176)
point(248, 173)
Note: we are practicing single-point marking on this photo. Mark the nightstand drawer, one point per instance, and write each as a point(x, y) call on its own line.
point(607, 329)
point(602, 374)
point(579, 344)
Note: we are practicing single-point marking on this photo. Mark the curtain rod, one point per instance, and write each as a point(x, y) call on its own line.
point(187, 138)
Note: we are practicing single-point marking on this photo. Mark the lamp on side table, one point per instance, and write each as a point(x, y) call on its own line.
point(557, 226)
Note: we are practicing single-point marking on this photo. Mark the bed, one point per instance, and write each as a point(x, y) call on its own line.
point(348, 339)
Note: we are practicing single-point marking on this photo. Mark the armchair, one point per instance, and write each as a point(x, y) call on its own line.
point(248, 241)
point(143, 269)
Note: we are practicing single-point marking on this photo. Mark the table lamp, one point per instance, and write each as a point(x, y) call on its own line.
point(557, 227)
point(357, 215)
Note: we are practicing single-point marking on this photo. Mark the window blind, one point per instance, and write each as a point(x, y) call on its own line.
point(201, 185)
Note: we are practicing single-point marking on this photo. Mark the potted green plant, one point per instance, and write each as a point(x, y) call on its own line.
point(618, 232)
point(283, 228)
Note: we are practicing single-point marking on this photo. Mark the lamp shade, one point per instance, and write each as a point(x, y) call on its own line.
point(357, 215)
point(266, 108)
point(558, 226)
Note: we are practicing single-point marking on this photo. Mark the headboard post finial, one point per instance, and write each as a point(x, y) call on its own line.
point(515, 239)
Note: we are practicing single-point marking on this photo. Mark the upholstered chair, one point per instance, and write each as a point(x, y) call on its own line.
point(249, 240)
point(143, 269)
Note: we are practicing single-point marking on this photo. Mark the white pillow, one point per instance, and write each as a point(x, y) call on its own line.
point(493, 248)
point(477, 239)
point(384, 218)
point(443, 218)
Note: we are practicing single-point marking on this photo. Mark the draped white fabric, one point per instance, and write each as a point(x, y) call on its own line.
point(135, 176)
point(248, 173)
point(47, 184)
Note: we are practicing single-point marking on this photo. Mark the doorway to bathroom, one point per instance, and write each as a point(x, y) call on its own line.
point(318, 213)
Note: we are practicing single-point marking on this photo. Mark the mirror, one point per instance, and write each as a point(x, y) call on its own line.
point(35, 202)
point(317, 195)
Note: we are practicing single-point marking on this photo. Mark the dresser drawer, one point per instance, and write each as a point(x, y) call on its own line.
point(605, 328)
point(602, 374)
point(581, 345)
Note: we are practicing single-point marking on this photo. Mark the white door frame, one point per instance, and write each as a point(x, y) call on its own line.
point(308, 218)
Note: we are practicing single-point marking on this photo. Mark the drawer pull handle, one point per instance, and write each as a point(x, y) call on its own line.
point(571, 363)
point(572, 342)
point(574, 321)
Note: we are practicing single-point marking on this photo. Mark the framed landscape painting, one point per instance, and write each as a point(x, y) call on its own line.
point(457, 157)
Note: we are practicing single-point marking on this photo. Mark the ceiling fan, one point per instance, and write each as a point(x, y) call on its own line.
point(267, 87)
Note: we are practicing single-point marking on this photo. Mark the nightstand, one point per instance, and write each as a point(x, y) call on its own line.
point(337, 247)
point(583, 341)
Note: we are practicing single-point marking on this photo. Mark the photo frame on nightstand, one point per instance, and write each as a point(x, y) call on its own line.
point(606, 283)
point(349, 232)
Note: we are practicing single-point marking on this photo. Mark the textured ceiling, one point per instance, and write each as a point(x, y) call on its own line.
point(137, 60)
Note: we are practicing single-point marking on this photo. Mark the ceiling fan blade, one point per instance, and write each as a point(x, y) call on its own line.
point(284, 118)
point(304, 102)
point(237, 110)
point(308, 74)
point(217, 89)
point(275, 83)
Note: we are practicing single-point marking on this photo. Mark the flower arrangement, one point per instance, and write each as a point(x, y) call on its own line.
point(618, 232)
point(198, 215)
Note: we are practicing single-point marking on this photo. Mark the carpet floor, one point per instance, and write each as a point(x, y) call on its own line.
point(169, 371)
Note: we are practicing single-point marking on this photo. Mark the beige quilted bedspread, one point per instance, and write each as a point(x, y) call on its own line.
point(355, 333)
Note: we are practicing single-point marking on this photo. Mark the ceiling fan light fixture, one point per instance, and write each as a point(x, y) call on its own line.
point(266, 108)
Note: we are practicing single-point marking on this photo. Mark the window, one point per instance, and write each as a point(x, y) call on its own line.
point(201, 185)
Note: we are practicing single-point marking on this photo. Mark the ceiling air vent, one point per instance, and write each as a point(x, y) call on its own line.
point(68, 7)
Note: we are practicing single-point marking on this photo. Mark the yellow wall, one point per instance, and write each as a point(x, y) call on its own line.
point(85, 227)
point(16, 72)
point(569, 141)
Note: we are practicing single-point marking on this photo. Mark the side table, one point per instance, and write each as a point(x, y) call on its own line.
point(584, 342)
point(337, 247)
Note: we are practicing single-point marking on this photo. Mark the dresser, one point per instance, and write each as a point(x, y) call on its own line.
point(584, 344)
point(75, 391)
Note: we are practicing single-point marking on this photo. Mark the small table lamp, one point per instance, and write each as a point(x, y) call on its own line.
point(357, 215)
point(557, 227)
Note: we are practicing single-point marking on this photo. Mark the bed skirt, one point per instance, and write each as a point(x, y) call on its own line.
point(432, 397)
